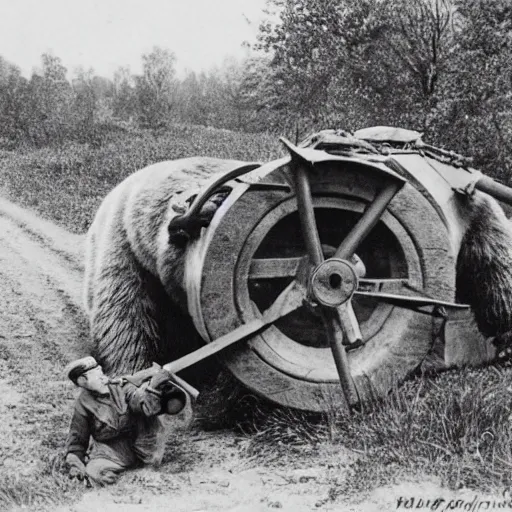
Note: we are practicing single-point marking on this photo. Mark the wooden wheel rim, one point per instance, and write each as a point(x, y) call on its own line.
point(387, 358)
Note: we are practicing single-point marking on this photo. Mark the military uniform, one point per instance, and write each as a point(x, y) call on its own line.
point(117, 430)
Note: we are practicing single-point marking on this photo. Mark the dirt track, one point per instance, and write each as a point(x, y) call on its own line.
point(42, 327)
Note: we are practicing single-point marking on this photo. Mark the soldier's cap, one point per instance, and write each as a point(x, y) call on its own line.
point(77, 368)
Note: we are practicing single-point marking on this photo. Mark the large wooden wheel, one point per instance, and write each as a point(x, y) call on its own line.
point(259, 246)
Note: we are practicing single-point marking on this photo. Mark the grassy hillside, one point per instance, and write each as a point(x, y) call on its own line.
point(66, 184)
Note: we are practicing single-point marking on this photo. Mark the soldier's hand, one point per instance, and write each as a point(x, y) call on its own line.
point(76, 468)
point(77, 473)
point(160, 379)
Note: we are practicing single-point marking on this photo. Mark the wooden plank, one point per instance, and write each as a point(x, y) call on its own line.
point(269, 268)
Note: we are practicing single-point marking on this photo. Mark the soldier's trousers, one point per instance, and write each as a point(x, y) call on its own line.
point(104, 471)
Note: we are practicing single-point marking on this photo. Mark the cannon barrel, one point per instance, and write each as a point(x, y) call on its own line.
point(494, 189)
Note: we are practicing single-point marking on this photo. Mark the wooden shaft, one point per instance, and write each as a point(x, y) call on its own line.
point(219, 344)
point(368, 220)
point(290, 299)
point(334, 333)
point(495, 189)
point(307, 215)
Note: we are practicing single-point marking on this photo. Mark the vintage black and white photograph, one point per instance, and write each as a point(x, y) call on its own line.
point(255, 255)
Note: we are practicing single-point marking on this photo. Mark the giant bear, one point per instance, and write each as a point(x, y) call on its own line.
point(134, 292)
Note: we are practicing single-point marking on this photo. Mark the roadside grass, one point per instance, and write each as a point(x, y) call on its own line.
point(455, 426)
point(67, 183)
point(40, 491)
point(32, 474)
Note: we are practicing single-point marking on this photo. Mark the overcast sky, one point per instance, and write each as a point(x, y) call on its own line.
point(106, 34)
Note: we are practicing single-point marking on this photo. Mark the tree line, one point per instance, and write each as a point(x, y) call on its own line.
point(442, 67)
point(49, 107)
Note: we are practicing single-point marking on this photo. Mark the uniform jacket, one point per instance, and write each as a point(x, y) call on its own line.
point(113, 422)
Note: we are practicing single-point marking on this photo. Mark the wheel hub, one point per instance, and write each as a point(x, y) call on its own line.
point(333, 282)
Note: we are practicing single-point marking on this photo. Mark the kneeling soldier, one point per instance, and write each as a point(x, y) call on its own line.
point(119, 418)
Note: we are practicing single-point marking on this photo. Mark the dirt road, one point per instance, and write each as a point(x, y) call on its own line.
point(42, 327)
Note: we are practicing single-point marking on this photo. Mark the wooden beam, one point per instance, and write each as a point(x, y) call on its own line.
point(271, 268)
point(290, 299)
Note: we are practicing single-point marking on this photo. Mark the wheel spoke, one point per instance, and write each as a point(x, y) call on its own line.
point(367, 221)
point(271, 268)
point(307, 215)
point(410, 302)
point(378, 285)
point(349, 324)
point(334, 331)
point(330, 316)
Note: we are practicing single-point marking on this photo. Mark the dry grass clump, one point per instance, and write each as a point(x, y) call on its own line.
point(39, 491)
point(455, 426)
point(279, 435)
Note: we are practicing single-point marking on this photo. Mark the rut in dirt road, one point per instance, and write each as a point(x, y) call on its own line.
point(42, 328)
point(41, 268)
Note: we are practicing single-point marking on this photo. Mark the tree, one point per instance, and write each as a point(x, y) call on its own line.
point(84, 103)
point(440, 66)
point(193, 104)
point(50, 100)
point(156, 87)
point(368, 49)
point(14, 125)
point(474, 109)
point(124, 95)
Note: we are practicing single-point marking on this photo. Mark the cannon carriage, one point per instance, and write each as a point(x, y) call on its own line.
point(330, 275)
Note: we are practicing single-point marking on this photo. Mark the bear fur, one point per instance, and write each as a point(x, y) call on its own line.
point(134, 294)
point(133, 288)
point(484, 267)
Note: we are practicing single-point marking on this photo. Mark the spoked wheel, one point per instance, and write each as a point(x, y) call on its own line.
point(271, 258)
point(340, 232)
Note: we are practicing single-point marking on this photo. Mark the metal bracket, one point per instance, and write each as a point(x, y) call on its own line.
point(186, 223)
point(416, 303)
